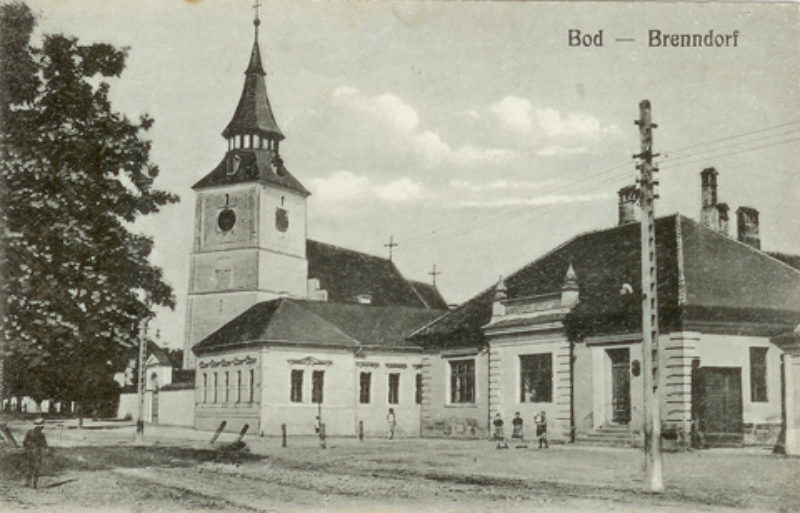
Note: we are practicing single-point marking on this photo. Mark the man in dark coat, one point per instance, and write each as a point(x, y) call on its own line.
point(34, 444)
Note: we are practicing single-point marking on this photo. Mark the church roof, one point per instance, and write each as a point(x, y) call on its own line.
point(703, 278)
point(318, 323)
point(429, 294)
point(254, 165)
point(282, 321)
point(253, 114)
point(347, 275)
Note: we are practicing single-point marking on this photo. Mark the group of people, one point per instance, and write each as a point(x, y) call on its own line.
point(540, 419)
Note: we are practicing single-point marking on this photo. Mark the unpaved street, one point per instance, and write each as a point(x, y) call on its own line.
point(101, 470)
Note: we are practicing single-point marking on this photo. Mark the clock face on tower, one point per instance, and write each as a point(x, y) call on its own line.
point(226, 219)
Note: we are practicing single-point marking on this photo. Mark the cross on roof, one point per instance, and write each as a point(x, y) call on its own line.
point(434, 273)
point(390, 245)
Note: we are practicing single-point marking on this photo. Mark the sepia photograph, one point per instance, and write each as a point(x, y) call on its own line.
point(306, 256)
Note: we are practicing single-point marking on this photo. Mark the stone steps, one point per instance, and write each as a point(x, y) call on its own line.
point(611, 436)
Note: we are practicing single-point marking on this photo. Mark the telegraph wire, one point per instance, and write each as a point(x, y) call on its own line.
point(737, 136)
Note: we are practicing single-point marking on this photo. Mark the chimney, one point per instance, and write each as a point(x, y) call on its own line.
point(747, 224)
point(628, 200)
point(722, 214)
point(709, 216)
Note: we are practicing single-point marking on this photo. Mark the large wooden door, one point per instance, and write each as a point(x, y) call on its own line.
point(719, 404)
point(620, 385)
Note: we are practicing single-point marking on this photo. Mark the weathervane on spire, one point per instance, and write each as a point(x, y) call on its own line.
point(256, 21)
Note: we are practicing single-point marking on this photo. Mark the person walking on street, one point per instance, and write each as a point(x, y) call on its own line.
point(391, 423)
point(33, 444)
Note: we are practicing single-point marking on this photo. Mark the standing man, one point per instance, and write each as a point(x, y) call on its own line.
point(516, 424)
point(34, 443)
point(391, 423)
point(541, 428)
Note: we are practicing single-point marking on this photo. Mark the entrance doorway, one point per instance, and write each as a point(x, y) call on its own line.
point(718, 404)
point(620, 385)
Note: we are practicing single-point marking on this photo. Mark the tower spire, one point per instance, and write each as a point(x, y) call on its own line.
point(253, 116)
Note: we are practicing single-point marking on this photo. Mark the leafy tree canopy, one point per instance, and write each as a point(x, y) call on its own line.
point(75, 174)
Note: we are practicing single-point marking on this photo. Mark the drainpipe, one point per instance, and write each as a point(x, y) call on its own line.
point(572, 391)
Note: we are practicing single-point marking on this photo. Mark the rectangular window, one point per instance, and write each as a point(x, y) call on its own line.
point(758, 374)
point(204, 390)
point(251, 385)
point(364, 382)
point(418, 389)
point(536, 378)
point(214, 390)
point(296, 393)
point(317, 383)
point(238, 386)
point(227, 387)
point(394, 388)
point(462, 381)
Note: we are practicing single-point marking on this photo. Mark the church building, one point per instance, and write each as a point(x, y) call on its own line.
point(282, 329)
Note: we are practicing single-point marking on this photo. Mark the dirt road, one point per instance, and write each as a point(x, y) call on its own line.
point(399, 476)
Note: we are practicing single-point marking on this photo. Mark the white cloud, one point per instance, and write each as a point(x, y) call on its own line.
point(340, 186)
point(345, 186)
point(555, 150)
point(553, 124)
point(399, 191)
point(514, 113)
point(498, 185)
point(389, 113)
point(547, 200)
point(518, 115)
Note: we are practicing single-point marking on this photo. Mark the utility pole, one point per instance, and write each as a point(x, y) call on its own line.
point(390, 245)
point(140, 382)
point(434, 274)
point(652, 404)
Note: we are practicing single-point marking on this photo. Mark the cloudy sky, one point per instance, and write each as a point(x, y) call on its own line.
point(472, 133)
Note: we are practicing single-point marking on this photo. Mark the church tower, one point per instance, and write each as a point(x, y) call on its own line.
point(250, 220)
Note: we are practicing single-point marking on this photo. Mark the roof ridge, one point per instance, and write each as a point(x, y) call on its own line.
point(349, 250)
point(737, 241)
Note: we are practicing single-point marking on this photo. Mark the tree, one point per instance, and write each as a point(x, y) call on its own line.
point(75, 175)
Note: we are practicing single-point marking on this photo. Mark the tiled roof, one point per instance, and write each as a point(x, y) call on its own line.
point(253, 114)
point(707, 277)
point(305, 322)
point(253, 166)
point(429, 294)
point(278, 321)
point(348, 274)
point(793, 260)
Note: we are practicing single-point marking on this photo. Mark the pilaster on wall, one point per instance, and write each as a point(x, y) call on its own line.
point(495, 383)
point(679, 351)
point(563, 389)
point(426, 414)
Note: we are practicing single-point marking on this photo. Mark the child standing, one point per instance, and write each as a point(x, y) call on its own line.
point(541, 429)
point(34, 443)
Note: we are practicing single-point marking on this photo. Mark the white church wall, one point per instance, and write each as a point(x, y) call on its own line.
point(176, 407)
point(277, 406)
point(242, 200)
point(128, 406)
point(282, 274)
point(238, 402)
point(380, 364)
